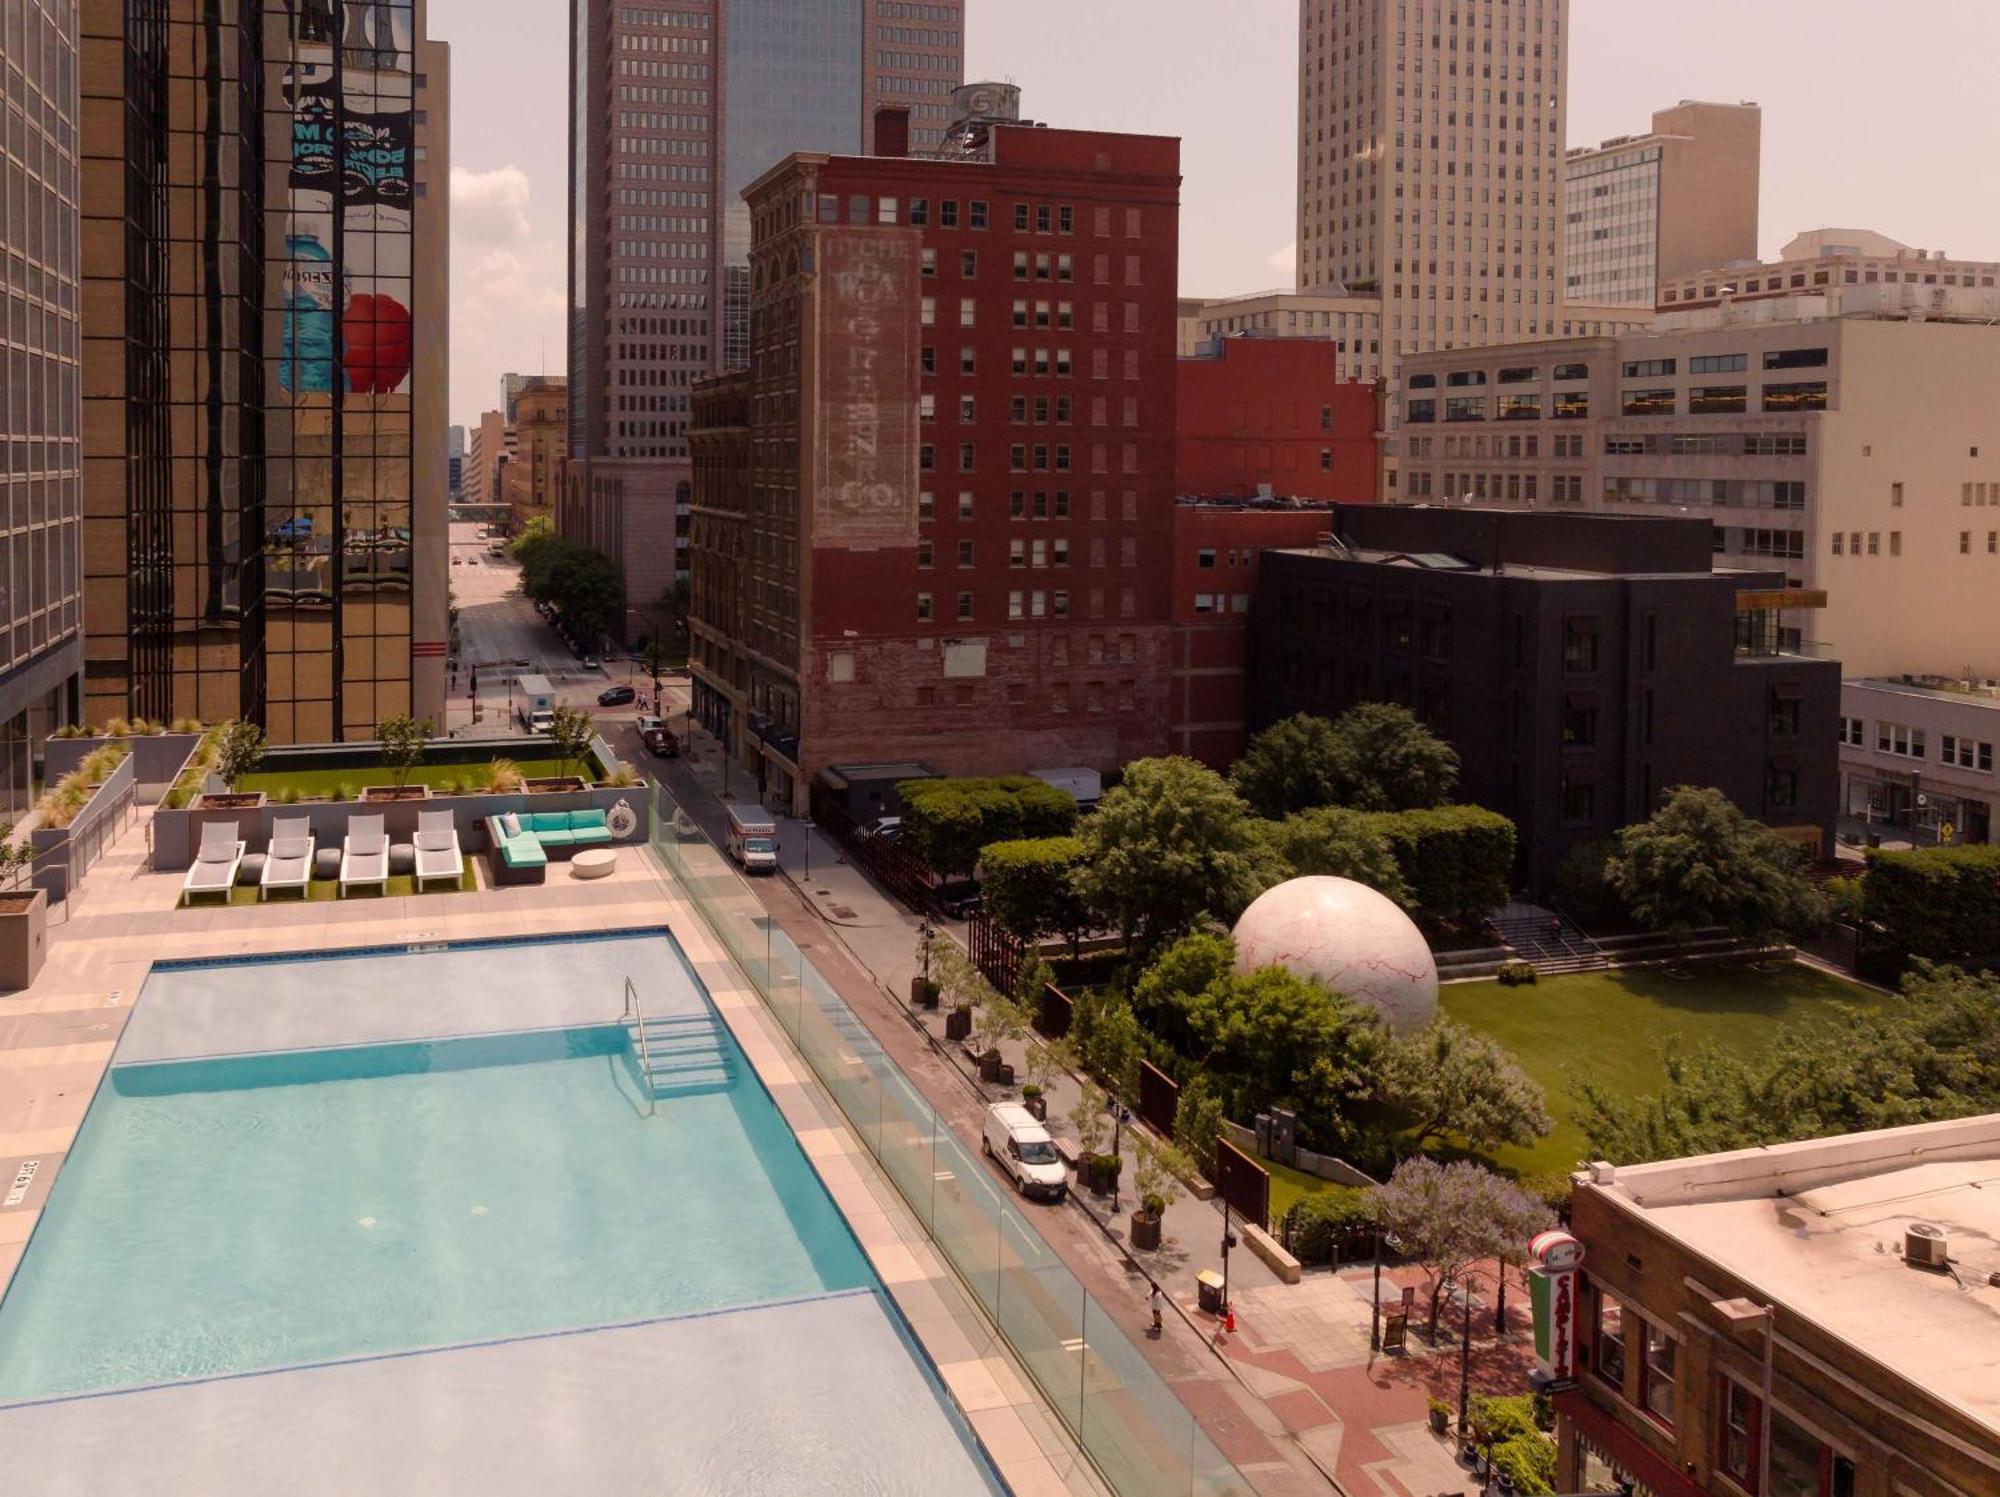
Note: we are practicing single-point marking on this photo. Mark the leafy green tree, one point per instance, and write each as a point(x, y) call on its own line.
point(1449, 1082)
point(1275, 1038)
point(1198, 1121)
point(1938, 903)
point(240, 752)
point(1108, 1039)
point(1386, 760)
point(1329, 840)
point(588, 593)
point(1449, 1217)
point(1933, 1057)
point(1027, 887)
point(1291, 766)
point(404, 739)
point(1168, 991)
point(1699, 861)
point(1171, 843)
point(1458, 861)
point(570, 732)
point(537, 532)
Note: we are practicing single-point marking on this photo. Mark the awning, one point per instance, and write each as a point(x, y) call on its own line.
point(1619, 1448)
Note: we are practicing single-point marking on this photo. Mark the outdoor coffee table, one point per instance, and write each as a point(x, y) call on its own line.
point(594, 862)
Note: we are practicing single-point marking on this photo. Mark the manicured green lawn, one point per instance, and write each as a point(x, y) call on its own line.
point(1288, 1185)
point(321, 783)
point(1614, 1028)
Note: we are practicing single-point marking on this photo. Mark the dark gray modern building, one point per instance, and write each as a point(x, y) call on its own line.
point(1582, 665)
point(41, 413)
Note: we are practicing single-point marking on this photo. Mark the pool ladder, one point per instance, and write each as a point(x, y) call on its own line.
point(679, 1054)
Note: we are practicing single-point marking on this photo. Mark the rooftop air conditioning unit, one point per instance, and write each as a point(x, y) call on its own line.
point(1924, 1245)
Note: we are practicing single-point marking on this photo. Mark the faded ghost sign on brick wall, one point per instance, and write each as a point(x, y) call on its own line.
point(865, 490)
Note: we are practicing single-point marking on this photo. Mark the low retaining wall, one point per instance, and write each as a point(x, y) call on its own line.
point(176, 834)
point(1321, 1166)
point(1272, 1253)
point(64, 854)
point(157, 760)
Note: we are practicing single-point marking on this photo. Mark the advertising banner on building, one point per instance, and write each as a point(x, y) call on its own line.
point(1554, 1290)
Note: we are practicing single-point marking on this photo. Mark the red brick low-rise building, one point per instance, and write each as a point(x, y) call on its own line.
point(1216, 548)
point(1271, 415)
point(954, 541)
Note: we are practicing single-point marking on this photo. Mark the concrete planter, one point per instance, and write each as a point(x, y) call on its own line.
point(158, 759)
point(24, 938)
point(59, 849)
point(394, 793)
point(230, 800)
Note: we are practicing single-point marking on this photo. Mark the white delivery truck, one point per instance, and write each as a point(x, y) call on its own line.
point(534, 703)
point(753, 839)
point(1025, 1151)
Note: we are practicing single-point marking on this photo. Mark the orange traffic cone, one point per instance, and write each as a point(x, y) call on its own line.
point(1229, 1320)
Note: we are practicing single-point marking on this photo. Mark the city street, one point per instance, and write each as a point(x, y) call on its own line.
point(501, 637)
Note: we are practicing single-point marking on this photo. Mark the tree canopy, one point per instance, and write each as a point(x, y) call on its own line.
point(1447, 1217)
point(950, 822)
point(1933, 1057)
point(581, 584)
point(1169, 844)
point(1449, 1082)
point(1699, 861)
point(1375, 756)
point(1027, 886)
point(1335, 842)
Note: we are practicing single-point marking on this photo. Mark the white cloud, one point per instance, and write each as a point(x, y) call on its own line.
point(509, 302)
point(490, 207)
point(1286, 259)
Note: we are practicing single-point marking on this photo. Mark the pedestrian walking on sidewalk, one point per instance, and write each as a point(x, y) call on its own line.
point(1157, 1327)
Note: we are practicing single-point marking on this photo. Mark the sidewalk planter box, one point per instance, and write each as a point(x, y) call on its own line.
point(230, 800)
point(1037, 1105)
point(1101, 1172)
point(393, 793)
point(923, 992)
point(552, 785)
point(1145, 1230)
point(994, 1069)
point(24, 938)
point(958, 1024)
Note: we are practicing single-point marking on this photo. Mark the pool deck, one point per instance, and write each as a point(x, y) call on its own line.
point(57, 1038)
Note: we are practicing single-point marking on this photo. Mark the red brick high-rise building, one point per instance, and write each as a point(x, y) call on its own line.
point(954, 542)
point(1273, 414)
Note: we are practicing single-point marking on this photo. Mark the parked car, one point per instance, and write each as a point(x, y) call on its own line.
point(958, 897)
point(617, 696)
point(661, 744)
point(890, 827)
point(646, 723)
point(1026, 1153)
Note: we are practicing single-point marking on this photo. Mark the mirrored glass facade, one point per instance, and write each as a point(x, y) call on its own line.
point(252, 539)
point(41, 464)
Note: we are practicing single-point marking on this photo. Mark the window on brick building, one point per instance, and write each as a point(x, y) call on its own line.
point(923, 607)
point(964, 607)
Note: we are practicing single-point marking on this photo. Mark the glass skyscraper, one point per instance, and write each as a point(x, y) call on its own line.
point(262, 364)
point(41, 455)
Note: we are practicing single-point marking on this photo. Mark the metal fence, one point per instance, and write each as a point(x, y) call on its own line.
point(897, 869)
point(1140, 1436)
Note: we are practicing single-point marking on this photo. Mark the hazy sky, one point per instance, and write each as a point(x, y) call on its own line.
point(1873, 118)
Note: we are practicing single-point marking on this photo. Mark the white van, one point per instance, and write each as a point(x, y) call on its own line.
point(1025, 1151)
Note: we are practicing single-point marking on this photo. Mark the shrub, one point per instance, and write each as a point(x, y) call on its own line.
point(239, 753)
point(287, 795)
point(1318, 1220)
point(118, 727)
point(1938, 903)
point(949, 822)
point(63, 800)
point(1198, 1122)
point(1531, 1460)
point(503, 776)
point(1845, 901)
point(451, 785)
point(624, 776)
point(1027, 886)
point(344, 790)
point(1516, 974)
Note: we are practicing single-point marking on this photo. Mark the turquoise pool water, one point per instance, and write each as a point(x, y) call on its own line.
point(220, 1216)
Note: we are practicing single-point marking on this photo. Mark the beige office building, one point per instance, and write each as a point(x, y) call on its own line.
point(1641, 209)
point(491, 445)
point(1431, 164)
point(539, 449)
point(1354, 322)
point(1823, 260)
point(1839, 438)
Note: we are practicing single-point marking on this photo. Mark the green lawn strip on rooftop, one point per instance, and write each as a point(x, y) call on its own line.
point(316, 784)
point(328, 888)
point(1615, 1028)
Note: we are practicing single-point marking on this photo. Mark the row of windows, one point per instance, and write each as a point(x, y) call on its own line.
point(1798, 280)
point(1039, 505)
point(1707, 444)
point(1906, 742)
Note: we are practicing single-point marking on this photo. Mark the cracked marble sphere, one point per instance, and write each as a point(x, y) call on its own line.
point(1346, 935)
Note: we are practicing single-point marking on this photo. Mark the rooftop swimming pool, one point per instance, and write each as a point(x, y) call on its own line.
point(506, 1244)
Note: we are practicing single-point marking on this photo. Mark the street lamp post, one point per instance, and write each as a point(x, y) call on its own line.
point(1375, 1305)
point(1465, 1357)
point(809, 849)
point(1228, 1242)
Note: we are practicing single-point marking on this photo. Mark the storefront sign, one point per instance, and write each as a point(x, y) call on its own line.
point(1553, 1288)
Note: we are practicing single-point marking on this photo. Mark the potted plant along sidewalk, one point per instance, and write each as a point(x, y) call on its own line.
point(239, 751)
point(1157, 1179)
point(924, 988)
point(24, 916)
point(1097, 1170)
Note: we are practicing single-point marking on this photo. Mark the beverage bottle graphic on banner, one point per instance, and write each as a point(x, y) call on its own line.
point(306, 366)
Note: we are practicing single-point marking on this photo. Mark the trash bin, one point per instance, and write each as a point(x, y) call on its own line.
point(1208, 1291)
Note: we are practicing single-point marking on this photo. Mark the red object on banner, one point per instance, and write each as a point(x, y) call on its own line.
point(375, 336)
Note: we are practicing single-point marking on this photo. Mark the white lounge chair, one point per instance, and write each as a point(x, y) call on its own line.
point(364, 855)
point(438, 854)
point(289, 863)
point(215, 862)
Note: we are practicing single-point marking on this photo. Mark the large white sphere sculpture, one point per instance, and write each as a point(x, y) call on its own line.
point(1348, 936)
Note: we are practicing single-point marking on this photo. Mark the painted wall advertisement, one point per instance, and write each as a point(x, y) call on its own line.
point(865, 488)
